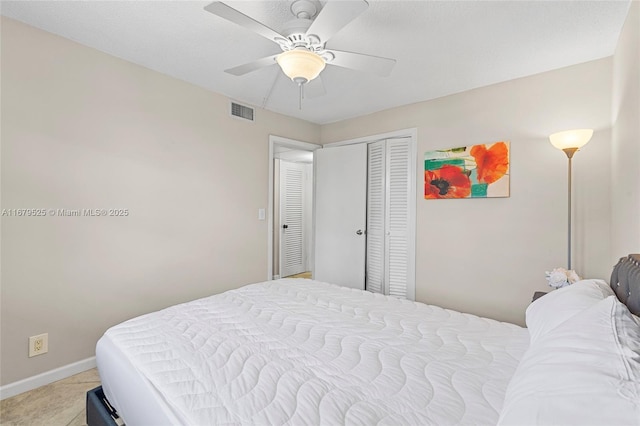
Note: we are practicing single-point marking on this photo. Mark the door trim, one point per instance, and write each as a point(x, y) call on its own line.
point(403, 133)
point(289, 143)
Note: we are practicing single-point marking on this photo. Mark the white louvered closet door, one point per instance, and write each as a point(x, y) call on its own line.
point(390, 218)
point(376, 202)
point(292, 242)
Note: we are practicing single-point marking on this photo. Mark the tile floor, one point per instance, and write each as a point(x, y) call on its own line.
point(61, 403)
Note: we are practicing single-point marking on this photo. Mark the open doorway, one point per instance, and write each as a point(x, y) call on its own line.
point(290, 232)
point(292, 205)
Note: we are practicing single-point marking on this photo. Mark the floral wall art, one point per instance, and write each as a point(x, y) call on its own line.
point(478, 171)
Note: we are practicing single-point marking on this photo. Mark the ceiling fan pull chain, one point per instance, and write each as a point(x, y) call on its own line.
point(300, 99)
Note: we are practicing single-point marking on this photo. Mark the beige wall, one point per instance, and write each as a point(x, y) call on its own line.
point(625, 170)
point(488, 256)
point(82, 129)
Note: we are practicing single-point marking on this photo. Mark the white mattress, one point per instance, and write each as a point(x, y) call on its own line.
point(300, 352)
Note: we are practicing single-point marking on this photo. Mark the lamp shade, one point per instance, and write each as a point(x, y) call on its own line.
point(301, 65)
point(571, 138)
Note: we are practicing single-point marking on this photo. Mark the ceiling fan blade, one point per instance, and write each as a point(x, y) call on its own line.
point(315, 88)
point(230, 14)
point(252, 66)
point(334, 16)
point(361, 62)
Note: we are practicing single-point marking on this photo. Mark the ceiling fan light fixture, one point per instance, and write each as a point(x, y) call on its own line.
point(301, 65)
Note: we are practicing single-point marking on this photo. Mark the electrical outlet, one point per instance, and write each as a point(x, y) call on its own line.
point(39, 344)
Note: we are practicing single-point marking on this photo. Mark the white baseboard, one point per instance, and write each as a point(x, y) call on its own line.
point(30, 383)
point(276, 277)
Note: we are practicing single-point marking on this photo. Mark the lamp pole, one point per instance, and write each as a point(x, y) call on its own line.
point(570, 141)
point(569, 152)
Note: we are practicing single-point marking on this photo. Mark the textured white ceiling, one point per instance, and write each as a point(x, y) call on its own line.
point(441, 47)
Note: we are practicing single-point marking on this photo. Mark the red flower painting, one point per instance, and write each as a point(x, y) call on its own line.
point(476, 171)
point(492, 163)
point(446, 182)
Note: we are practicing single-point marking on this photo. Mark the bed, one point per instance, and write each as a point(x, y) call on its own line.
point(300, 352)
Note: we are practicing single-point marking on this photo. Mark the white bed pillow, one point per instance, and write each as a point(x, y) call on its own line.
point(586, 371)
point(554, 308)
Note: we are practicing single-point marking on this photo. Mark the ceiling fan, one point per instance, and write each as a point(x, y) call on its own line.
point(303, 40)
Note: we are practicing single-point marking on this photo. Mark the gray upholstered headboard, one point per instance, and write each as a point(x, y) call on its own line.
point(625, 281)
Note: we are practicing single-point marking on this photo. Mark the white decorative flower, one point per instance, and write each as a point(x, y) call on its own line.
point(557, 278)
point(560, 277)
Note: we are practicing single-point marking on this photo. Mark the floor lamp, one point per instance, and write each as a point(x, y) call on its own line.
point(570, 141)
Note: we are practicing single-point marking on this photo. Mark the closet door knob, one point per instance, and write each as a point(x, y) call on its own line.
point(359, 232)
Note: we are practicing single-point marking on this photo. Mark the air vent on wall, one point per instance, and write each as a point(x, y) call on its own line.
point(241, 111)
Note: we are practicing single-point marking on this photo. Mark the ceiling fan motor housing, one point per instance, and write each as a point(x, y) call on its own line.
point(296, 29)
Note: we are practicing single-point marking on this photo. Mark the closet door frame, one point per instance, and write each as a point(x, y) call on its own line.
point(412, 134)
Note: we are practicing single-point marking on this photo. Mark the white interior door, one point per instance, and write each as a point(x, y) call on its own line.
point(340, 215)
point(292, 218)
